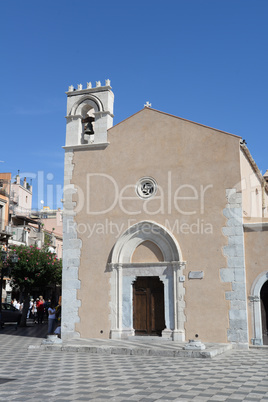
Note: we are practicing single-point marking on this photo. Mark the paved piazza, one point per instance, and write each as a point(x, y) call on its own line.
point(54, 375)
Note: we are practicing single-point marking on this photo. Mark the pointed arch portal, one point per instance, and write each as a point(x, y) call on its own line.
point(125, 274)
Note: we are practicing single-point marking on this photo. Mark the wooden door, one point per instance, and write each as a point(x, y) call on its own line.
point(148, 306)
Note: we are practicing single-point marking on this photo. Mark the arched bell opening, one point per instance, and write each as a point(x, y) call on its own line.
point(85, 110)
point(87, 126)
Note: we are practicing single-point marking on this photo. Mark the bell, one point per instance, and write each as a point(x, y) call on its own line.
point(89, 129)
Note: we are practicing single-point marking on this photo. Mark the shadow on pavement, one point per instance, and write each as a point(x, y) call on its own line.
point(31, 330)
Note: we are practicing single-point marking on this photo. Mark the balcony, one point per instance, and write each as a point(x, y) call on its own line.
point(21, 211)
point(29, 236)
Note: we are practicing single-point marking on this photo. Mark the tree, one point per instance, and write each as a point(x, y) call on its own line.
point(35, 268)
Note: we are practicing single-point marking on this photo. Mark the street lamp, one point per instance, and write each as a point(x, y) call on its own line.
point(13, 259)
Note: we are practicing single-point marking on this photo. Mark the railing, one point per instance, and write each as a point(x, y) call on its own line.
point(21, 211)
point(21, 235)
point(44, 214)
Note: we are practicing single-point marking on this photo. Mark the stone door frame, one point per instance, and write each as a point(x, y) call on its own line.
point(255, 300)
point(124, 273)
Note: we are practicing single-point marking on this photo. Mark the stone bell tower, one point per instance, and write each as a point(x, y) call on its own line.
point(89, 114)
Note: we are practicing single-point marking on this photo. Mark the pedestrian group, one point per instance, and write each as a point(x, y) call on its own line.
point(40, 309)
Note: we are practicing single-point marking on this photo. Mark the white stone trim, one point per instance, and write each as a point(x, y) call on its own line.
point(71, 257)
point(255, 304)
point(150, 183)
point(86, 147)
point(235, 272)
point(124, 273)
point(87, 90)
point(179, 303)
point(78, 102)
point(90, 100)
point(101, 106)
point(146, 230)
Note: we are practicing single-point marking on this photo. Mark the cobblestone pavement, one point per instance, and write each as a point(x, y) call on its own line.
point(52, 375)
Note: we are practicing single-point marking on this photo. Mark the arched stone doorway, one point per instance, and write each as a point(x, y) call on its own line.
point(259, 300)
point(164, 261)
point(264, 312)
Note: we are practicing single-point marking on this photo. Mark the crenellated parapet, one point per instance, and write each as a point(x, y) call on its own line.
point(89, 86)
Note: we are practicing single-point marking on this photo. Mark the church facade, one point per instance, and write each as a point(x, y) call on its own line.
point(165, 228)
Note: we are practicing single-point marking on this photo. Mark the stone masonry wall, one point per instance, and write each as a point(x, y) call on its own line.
point(71, 257)
point(235, 271)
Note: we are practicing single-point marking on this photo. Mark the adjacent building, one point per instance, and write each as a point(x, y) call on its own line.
point(50, 221)
point(21, 225)
point(165, 228)
point(5, 179)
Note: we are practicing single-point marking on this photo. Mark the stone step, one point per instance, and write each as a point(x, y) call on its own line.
point(136, 348)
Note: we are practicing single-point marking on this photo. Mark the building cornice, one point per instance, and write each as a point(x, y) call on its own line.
point(86, 147)
point(254, 166)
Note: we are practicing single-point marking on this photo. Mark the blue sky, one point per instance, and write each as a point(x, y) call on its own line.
point(203, 60)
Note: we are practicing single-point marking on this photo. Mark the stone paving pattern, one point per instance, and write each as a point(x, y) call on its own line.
point(53, 375)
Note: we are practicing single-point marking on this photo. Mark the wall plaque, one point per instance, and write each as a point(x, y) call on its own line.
point(196, 275)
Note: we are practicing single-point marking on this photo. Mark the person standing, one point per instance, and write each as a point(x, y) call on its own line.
point(51, 318)
point(34, 312)
point(40, 310)
point(47, 304)
point(29, 313)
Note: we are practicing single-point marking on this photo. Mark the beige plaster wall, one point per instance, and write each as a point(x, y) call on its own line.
point(256, 253)
point(186, 160)
point(251, 189)
point(53, 223)
point(147, 251)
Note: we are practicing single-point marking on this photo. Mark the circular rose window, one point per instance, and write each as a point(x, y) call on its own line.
point(146, 187)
